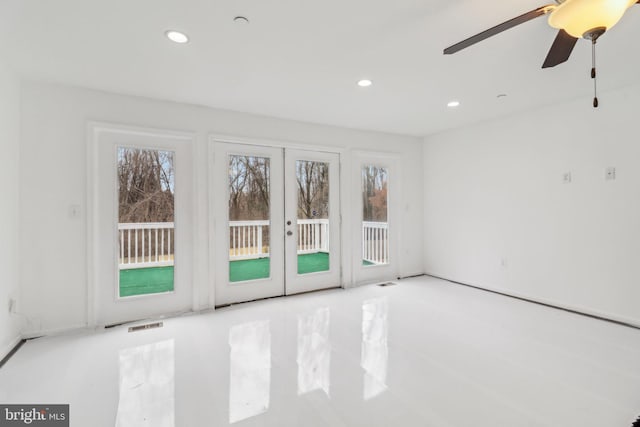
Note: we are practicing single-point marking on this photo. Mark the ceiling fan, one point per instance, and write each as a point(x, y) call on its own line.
point(574, 19)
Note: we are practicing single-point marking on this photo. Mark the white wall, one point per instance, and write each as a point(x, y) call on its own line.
point(53, 177)
point(495, 191)
point(9, 201)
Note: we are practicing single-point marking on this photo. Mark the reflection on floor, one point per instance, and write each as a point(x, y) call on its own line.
point(422, 353)
point(147, 390)
point(314, 351)
point(375, 353)
point(249, 370)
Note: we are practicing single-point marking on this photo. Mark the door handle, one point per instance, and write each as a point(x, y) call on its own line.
point(289, 233)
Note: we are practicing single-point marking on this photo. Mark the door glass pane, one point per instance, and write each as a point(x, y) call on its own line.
point(313, 216)
point(249, 194)
point(375, 226)
point(146, 234)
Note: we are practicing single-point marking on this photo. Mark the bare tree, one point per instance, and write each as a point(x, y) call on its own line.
point(249, 188)
point(313, 189)
point(237, 185)
point(145, 185)
point(374, 193)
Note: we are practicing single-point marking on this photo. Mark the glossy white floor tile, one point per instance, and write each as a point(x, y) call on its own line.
point(422, 353)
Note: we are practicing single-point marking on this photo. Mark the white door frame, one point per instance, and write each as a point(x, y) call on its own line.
point(100, 220)
point(214, 207)
point(376, 273)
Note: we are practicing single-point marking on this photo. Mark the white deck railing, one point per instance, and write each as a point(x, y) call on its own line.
point(313, 236)
point(152, 244)
point(246, 241)
point(147, 244)
point(375, 242)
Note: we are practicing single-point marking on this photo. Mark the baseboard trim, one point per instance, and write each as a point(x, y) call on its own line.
point(11, 349)
point(579, 311)
point(71, 330)
point(411, 276)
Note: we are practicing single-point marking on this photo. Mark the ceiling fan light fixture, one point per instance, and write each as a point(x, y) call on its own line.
point(580, 17)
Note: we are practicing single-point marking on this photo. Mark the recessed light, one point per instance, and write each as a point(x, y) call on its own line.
point(241, 20)
point(365, 83)
point(453, 104)
point(176, 36)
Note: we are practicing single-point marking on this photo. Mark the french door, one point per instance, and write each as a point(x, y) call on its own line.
point(277, 228)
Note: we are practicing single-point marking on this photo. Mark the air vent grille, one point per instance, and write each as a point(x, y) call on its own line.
point(147, 326)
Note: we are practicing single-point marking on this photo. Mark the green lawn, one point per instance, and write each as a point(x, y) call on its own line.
point(142, 281)
point(252, 269)
point(249, 269)
point(313, 263)
point(153, 280)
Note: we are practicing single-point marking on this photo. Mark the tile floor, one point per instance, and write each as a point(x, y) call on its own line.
point(422, 353)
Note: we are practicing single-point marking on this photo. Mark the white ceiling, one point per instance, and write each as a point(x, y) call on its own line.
point(300, 59)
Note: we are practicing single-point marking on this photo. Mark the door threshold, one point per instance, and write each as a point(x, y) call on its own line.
point(277, 296)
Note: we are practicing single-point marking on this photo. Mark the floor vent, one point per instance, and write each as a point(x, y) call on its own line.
point(147, 326)
point(388, 284)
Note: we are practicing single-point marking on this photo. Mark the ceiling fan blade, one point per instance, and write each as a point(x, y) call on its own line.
point(498, 29)
point(560, 49)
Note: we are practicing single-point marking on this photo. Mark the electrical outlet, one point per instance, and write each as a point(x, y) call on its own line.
point(74, 211)
point(610, 173)
point(566, 177)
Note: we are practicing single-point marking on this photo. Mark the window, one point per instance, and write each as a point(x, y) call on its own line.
point(146, 193)
point(375, 225)
point(249, 211)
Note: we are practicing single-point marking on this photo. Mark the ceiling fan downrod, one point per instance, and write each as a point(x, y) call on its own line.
point(593, 36)
point(593, 73)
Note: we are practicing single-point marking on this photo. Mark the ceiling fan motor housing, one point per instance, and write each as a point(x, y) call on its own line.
point(594, 33)
point(583, 18)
